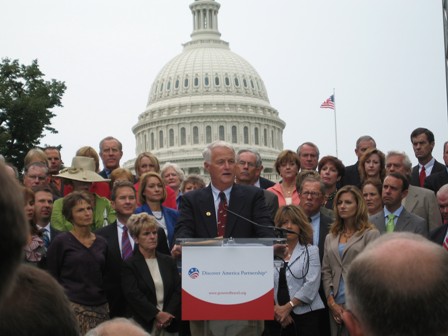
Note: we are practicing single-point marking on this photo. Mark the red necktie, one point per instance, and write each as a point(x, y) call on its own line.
point(422, 176)
point(126, 248)
point(222, 214)
point(445, 242)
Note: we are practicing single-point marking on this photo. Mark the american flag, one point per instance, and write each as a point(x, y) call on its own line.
point(329, 103)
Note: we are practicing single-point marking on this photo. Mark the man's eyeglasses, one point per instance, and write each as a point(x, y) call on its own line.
point(313, 194)
point(36, 177)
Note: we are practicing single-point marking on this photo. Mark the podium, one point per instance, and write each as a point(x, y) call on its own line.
point(228, 280)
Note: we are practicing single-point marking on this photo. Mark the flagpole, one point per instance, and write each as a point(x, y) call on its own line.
point(335, 125)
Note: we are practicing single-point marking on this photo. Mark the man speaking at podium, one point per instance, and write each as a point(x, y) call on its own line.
point(203, 214)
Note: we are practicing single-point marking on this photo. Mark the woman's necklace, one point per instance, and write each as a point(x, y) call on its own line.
point(331, 196)
point(348, 235)
point(287, 190)
point(158, 218)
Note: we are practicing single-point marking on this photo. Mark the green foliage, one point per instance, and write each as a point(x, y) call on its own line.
point(25, 103)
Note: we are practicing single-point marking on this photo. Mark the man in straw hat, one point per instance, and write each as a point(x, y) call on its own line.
point(81, 175)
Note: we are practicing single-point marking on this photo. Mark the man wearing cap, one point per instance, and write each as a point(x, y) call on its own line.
point(81, 175)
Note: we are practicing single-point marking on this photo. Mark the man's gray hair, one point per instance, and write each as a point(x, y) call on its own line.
point(258, 161)
point(207, 153)
point(365, 138)
point(299, 149)
point(406, 161)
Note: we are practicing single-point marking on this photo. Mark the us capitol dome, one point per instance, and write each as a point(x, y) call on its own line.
point(204, 94)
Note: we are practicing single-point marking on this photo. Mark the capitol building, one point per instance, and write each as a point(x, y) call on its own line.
point(204, 94)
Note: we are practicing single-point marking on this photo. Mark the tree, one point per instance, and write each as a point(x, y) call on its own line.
point(25, 103)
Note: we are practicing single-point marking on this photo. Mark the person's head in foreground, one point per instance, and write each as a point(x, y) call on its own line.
point(398, 286)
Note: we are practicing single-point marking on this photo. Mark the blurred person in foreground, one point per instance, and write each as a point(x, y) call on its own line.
point(36, 306)
point(402, 296)
point(14, 231)
point(118, 327)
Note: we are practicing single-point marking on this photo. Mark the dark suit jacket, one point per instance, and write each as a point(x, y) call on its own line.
point(437, 180)
point(53, 233)
point(114, 262)
point(271, 202)
point(197, 217)
point(265, 183)
point(406, 222)
point(351, 176)
point(139, 289)
point(324, 227)
point(103, 174)
point(438, 235)
point(415, 180)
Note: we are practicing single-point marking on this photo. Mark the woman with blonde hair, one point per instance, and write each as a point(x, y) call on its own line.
point(296, 283)
point(349, 234)
point(151, 195)
point(151, 281)
point(147, 162)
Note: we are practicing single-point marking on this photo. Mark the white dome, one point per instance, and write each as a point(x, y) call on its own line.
point(204, 94)
point(202, 71)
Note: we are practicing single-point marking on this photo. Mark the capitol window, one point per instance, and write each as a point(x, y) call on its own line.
point(221, 133)
point(160, 139)
point(257, 142)
point(195, 135)
point(246, 135)
point(234, 135)
point(237, 82)
point(206, 81)
point(217, 81)
point(183, 137)
point(176, 86)
point(171, 139)
point(208, 134)
point(227, 81)
point(186, 83)
point(196, 81)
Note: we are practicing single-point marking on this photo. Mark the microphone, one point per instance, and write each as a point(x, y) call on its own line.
point(282, 231)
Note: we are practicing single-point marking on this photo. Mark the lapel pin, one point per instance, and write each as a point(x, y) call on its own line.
point(208, 213)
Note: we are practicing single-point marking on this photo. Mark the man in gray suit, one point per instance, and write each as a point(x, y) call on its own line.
point(394, 216)
point(248, 170)
point(419, 201)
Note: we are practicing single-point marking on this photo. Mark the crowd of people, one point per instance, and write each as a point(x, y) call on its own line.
point(110, 237)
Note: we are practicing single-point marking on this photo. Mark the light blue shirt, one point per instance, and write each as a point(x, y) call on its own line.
point(397, 214)
point(428, 167)
point(315, 222)
point(216, 198)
